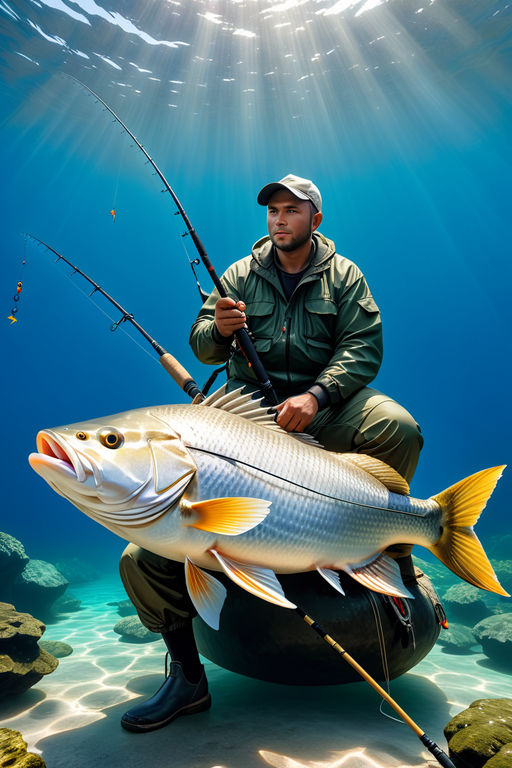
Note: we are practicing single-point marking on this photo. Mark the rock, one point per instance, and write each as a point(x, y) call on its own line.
point(66, 603)
point(131, 629)
point(126, 608)
point(502, 759)
point(13, 751)
point(503, 569)
point(57, 648)
point(12, 559)
point(463, 603)
point(477, 735)
point(495, 635)
point(37, 587)
point(22, 662)
point(77, 571)
point(457, 639)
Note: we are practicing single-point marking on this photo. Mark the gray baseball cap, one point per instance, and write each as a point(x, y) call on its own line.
point(304, 189)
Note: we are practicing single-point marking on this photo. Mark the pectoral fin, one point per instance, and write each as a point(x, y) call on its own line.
point(258, 581)
point(332, 578)
point(206, 593)
point(229, 516)
point(380, 575)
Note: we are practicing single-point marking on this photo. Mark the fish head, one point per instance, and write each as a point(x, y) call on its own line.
point(122, 470)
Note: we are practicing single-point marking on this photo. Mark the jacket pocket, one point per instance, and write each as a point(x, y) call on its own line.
point(262, 344)
point(319, 322)
point(323, 306)
point(261, 319)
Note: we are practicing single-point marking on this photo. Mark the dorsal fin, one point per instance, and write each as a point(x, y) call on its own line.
point(251, 409)
point(383, 472)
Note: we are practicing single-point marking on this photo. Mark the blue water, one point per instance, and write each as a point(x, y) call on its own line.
point(400, 113)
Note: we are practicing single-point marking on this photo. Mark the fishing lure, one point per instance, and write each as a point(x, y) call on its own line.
point(14, 309)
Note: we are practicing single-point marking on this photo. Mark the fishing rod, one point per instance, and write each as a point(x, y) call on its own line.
point(242, 335)
point(173, 367)
point(441, 756)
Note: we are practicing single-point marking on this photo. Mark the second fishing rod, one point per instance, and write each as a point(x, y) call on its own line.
point(242, 336)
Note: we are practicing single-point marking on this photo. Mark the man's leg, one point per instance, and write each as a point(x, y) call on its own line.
point(157, 589)
point(372, 423)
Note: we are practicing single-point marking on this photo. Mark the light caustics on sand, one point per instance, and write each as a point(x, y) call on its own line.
point(87, 683)
point(96, 677)
point(353, 758)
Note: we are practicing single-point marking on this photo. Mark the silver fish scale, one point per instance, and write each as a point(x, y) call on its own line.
point(322, 511)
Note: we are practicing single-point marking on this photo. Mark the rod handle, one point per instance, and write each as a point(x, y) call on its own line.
point(441, 757)
point(180, 375)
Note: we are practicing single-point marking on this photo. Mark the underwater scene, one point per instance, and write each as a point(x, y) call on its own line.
point(137, 142)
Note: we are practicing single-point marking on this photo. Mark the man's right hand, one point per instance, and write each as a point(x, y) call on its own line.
point(229, 316)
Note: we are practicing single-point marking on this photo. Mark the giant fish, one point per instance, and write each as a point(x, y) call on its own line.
point(220, 486)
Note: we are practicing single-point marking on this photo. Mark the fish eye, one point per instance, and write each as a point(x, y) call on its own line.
point(110, 438)
point(81, 436)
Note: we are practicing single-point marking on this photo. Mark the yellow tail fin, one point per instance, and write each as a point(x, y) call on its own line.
point(458, 547)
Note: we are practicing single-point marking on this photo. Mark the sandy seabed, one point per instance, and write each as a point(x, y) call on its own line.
point(72, 716)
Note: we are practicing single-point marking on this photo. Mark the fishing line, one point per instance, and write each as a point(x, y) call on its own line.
point(383, 654)
point(193, 262)
point(304, 488)
point(116, 323)
point(173, 367)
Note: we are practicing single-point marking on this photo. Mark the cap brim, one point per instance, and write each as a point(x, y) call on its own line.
point(268, 190)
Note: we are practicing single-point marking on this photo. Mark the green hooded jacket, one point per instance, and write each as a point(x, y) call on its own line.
point(328, 333)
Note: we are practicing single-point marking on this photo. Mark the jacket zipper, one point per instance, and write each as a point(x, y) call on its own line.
point(286, 329)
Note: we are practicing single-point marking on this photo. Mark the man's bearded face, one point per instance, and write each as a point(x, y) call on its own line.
point(289, 220)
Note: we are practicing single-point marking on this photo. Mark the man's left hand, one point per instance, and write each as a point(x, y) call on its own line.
point(296, 413)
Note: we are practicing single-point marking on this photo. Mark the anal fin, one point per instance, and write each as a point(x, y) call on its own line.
point(380, 575)
point(206, 593)
point(261, 582)
point(332, 578)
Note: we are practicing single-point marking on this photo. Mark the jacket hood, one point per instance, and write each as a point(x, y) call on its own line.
point(324, 251)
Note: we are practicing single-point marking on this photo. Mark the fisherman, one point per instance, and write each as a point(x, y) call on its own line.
point(317, 330)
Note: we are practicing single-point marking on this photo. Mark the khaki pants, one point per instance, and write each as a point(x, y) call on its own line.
point(369, 422)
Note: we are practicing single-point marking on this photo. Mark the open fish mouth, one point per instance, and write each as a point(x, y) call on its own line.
point(79, 480)
point(56, 455)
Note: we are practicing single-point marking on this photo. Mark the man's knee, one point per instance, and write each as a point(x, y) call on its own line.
point(389, 421)
point(142, 559)
point(390, 433)
point(132, 558)
point(403, 426)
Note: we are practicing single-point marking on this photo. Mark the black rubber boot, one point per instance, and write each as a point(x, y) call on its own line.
point(174, 698)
